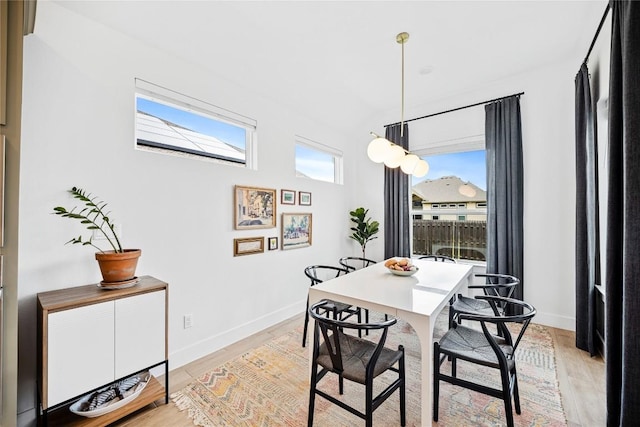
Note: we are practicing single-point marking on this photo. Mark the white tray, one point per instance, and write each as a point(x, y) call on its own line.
point(113, 404)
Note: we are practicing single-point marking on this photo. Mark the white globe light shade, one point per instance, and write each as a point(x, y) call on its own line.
point(394, 156)
point(421, 169)
point(409, 163)
point(378, 149)
point(467, 190)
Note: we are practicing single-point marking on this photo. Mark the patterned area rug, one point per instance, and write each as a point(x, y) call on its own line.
point(268, 386)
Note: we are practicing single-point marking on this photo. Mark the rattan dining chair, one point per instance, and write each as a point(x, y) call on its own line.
point(482, 347)
point(442, 258)
point(354, 359)
point(318, 274)
point(500, 285)
point(353, 263)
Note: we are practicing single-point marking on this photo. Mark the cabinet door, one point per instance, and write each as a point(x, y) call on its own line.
point(79, 351)
point(140, 332)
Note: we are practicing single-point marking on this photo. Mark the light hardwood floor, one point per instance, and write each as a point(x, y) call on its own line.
point(581, 380)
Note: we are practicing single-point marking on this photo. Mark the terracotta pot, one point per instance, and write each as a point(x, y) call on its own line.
point(118, 266)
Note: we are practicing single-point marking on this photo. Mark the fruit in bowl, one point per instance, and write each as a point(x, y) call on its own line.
point(401, 267)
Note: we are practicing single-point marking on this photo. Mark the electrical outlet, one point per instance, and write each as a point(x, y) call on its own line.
point(188, 321)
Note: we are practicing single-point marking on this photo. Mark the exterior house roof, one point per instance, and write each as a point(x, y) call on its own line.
point(445, 190)
point(155, 129)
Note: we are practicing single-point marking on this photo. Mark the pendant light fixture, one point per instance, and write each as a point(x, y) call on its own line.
point(381, 150)
point(467, 190)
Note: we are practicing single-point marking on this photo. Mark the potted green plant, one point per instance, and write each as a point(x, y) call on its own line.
point(365, 229)
point(117, 265)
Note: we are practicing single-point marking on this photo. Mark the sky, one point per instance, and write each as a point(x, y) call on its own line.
point(468, 166)
point(315, 164)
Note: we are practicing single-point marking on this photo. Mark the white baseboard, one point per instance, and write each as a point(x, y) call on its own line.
point(214, 343)
point(555, 320)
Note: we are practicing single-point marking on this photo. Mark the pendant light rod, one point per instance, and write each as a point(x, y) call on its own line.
point(381, 150)
point(456, 109)
point(402, 39)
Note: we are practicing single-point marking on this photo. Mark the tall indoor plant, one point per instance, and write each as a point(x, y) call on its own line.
point(117, 265)
point(364, 229)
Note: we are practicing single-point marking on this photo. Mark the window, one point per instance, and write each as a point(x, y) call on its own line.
point(457, 227)
point(173, 123)
point(318, 161)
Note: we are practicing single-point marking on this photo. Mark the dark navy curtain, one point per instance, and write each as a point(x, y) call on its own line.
point(503, 140)
point(587, 217)
point(397, 217)
point(622, 284)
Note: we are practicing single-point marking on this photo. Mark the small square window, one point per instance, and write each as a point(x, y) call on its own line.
point(318, 161)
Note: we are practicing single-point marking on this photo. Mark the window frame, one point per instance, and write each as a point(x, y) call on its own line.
point(161, 95)
point(337, 155)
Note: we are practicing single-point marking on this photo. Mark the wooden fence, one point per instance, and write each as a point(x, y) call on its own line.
point(458, 239)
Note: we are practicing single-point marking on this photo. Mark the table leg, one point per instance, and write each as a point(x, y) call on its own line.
point(424, 330)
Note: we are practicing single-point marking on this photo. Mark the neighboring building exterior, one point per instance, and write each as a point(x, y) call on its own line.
point(443, 199)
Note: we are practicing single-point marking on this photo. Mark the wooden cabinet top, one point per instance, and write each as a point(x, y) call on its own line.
point(63, 299)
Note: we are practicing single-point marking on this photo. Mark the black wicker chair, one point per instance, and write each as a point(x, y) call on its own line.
point(354, 359)
point(482, 347)
point(352, 263)
point(442, 258)
point(500, 285)
point(318, 274)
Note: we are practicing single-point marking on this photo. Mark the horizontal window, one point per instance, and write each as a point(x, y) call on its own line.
point(173, 123)
point(318, 161)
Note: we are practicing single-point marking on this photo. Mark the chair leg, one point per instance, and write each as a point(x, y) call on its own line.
point(368, 412)
point(436, 379)
point(312, 394)
point(453, 366)
point(366, 319)
point(340, 384)
point(306, 324)
point(506, 397)
point(516, 393)
point(403, 401)
point(359, 321)
point(451, 312)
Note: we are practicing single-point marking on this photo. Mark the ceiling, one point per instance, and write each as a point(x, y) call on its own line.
point(339, 62)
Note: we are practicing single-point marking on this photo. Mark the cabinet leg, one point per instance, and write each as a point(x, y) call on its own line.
point(166, 382)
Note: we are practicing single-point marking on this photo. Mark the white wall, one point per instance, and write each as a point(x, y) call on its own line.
point(547, 109)
point(78, 130)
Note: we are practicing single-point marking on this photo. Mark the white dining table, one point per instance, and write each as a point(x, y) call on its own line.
point(417, 299)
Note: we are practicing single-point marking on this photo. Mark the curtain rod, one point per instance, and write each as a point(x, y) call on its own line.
point(595, 37)
point(456, 109)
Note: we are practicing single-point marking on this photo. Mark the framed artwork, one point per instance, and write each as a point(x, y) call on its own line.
point(304, 198)
point(273, 243)
point(254, 208)
point(296, 230)
point(287, 197)
point(248, 246)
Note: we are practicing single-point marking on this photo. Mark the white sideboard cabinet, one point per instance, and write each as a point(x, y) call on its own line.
point(89, 337)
